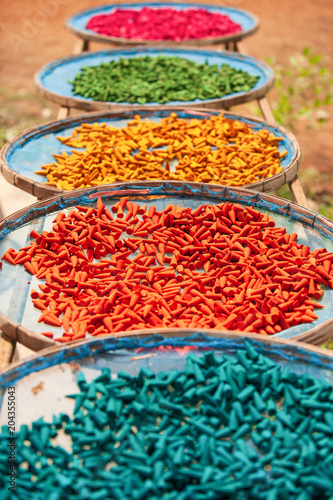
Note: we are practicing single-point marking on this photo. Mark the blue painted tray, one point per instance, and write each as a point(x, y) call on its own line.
point(35, 147)
point(76, 24)
point(53, 79)
point(43, 381)
point(37, 388)
point(18, 317)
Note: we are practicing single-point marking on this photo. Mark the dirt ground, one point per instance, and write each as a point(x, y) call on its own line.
point(32, 34)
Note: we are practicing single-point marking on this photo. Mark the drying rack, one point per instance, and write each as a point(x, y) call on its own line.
point(7, 345)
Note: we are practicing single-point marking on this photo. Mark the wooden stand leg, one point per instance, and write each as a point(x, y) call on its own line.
point(80, 46)
point(233, 47)
point(7, 347)
point(298, 193)
point(266, 110)
point(63, 112)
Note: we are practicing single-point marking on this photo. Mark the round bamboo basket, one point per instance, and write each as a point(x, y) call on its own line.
point(18, 317)
point(52, 80)
point(43, 380)
point(76, 24)
point(41, 390)
point(34, 147)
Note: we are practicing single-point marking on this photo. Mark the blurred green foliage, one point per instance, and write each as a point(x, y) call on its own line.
point(304, 89)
